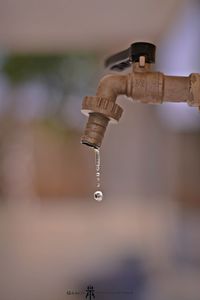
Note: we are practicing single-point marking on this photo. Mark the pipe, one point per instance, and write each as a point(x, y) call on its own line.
point(176, 89)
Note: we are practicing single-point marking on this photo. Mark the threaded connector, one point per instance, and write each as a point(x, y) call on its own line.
point(194, 90)
point(103, 106)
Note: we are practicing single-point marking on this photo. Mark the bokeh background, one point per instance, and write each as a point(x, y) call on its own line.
point(145, 235)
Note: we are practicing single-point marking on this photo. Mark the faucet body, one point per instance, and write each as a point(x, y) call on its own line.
point(141, 85)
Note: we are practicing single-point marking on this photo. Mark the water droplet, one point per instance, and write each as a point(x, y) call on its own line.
point(98, 196)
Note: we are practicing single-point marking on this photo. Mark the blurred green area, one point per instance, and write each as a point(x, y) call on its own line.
point(22, 67)
point(62, 77)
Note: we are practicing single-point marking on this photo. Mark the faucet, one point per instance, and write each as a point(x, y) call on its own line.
point(141, 84)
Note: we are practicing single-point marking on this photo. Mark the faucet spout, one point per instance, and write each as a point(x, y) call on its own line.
point(111, 86)
point(103, 108)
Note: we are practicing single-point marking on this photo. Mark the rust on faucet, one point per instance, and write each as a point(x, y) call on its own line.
point(141, 85)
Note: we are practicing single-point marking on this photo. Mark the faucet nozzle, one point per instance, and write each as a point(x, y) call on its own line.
point(95, 129)
point(100, 111)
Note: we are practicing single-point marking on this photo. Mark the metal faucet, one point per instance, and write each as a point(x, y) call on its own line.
point(141, 84)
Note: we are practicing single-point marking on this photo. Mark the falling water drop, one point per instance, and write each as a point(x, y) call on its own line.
point(98, 195)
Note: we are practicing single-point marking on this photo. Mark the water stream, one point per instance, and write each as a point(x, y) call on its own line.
point(98, 195)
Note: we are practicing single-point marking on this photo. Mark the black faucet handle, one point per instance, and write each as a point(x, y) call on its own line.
point(125, 58)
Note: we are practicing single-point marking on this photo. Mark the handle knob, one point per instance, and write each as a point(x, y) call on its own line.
point(124, 59)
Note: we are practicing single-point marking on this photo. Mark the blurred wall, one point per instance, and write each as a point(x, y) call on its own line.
point(53, 236)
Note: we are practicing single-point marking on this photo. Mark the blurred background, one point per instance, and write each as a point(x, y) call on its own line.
point(144, 236)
